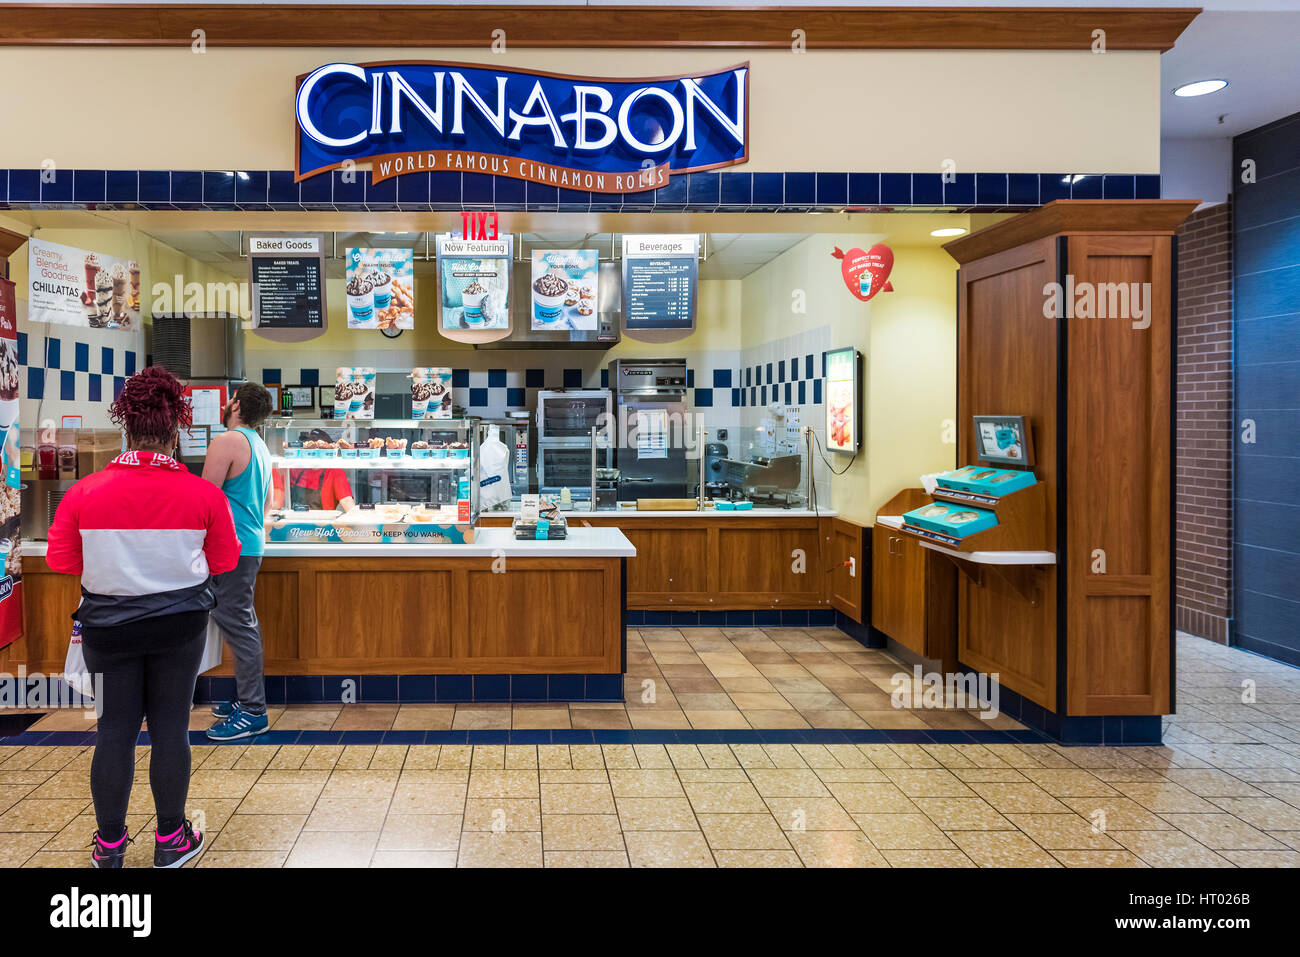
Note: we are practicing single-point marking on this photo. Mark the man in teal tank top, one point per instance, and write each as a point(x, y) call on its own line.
point(239, 464)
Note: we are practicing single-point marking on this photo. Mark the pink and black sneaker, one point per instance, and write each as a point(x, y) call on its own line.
point(173, 850)
point(103, 854)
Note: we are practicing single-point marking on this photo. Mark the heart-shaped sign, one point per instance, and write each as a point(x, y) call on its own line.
point(866, 273)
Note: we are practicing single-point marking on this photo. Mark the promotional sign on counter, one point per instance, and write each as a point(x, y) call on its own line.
point(660, 277)
point(430, 393)
point(474, 285)
point(599, 135)
point(11, 576)
point(76, 287)
point(354, 392)
point(380, 286)
point(288, 274)
point(565, 288)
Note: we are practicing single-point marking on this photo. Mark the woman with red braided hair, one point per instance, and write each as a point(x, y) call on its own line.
point(146, 536)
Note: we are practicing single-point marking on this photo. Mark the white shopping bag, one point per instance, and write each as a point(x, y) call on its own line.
point(493, 471)
point(212, 649)
point(75, 671)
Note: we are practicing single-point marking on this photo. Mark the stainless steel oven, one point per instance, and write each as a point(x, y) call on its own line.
point(569, 415)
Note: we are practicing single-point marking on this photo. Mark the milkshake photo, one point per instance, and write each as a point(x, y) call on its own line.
point(549, 293)
point(473, 298)
point(361, 301)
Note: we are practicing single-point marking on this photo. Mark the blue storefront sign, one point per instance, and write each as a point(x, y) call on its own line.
point(599, 135)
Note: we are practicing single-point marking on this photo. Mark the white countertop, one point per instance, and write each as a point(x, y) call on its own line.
point(576, 517)
point(583, 542)
point(979, 558)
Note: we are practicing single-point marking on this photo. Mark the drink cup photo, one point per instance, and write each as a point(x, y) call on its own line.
point(473, 298)
point(383, 288)
point(361, 301)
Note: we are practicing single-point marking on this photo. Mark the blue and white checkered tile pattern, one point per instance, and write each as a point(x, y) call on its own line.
point(796, 380)
point(696, 192)
point(71, 371)
point(490, 393)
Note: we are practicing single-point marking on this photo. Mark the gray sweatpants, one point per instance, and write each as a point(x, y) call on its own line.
point(235, 616)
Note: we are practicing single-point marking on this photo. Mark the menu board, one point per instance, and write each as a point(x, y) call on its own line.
point(660, 278)
point(843, 423)
point(288, 282)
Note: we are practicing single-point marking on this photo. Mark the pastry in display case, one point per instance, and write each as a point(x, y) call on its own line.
point(373, 481)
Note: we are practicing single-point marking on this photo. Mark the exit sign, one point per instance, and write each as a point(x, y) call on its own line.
point(479, 226)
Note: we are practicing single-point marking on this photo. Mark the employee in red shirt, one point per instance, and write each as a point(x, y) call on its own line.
point(317, 489)
point(146, 536)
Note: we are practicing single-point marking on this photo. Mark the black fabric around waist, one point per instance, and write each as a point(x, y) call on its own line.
point(146, 634)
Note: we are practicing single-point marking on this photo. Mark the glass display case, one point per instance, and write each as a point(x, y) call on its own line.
point(373, 480)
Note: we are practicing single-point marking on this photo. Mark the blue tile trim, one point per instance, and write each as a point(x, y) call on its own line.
point(422, 191)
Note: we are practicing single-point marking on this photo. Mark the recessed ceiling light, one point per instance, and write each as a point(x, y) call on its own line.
point(1200, 87)
point(947, 231)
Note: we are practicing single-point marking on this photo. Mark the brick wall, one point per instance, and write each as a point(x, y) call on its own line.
point(1204, 472)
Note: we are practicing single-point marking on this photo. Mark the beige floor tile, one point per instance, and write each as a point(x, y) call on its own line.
point(424, 717)
point(503, 814)
point(668, 849)
point(870, 798)
point(32, 815)
point(1165, 798)
point(836, 849)
point(834, 719)
point(488, 757)
point(303, 718)
point(420, 832)
point(242, 859)
point(469, 718)
point(577, 799)
point(500, 849)
point(553, 756)
point(928, 782)
point(1222, 832)
point(503, 784)
point(600, 718)
point(539, 718)
point(1002, 849)
point(963, 814)
point(1019, 798)
point(361, 785)
point(775, 720)
point(430, 792)
point(926, 858)
point(355, 757)
point(363, 717)
point(16, 848)
point(716, 720)
point(1063, 832)
point(1098, 859)
point(732, 798)
point(1116, 813)
point(581, 832)
point(671, 719)
point(586, 859)
point(1265, 813)
point(787, 782)
point(1208, 782)
point(735, 686)
point(643, 783)
point(1065, 783)
point(348, 814)
point(740, 832)
point(809, 814)
point(902, 832)
point(597, 775)
point(1169, 849)
point(586, 756)
point(756, 859)
point(656, 814)
point(413, 859)
point(1263, 858)
point(259, 832)
point(333, 849)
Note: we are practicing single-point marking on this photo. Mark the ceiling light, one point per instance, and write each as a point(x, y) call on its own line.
point(1067, 180)
point(947, 231)
point(1200, 87)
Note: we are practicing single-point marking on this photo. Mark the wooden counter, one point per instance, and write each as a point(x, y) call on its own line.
point(489, 608)
point(733, 560)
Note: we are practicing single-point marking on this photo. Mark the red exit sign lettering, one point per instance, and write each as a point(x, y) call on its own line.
point(479, 226)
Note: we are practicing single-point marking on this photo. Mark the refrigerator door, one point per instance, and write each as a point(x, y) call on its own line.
point(651, 456)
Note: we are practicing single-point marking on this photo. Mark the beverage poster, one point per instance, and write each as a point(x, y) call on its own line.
point(564, 288)
point(11, 557)
point(77, 287)
point(381, 288)
point(474, 283)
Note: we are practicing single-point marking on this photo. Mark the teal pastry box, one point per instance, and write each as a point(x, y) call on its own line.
point(983, 480)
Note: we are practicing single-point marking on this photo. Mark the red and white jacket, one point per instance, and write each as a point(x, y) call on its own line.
point(145, 535)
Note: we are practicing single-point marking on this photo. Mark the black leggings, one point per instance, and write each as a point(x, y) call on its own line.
point(149, 668)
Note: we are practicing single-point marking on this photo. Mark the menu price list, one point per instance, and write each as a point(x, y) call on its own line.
point(661, 292)
point(288, 292)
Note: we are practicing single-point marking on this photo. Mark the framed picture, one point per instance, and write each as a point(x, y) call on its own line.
point(301, 396)
point(275, 396)
point(325, 399)
point(1003, 440)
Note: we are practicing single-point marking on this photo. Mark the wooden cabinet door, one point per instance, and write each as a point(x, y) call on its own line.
point(885, 585)
point(910, 607)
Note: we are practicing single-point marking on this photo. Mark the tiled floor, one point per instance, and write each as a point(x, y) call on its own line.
point(1224, 791)
point(696, 678)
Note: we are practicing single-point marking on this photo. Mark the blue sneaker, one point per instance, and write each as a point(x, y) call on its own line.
point(239, 724)
point(222, 709)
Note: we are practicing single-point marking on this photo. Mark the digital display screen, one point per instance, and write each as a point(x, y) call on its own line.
point(843, 415)
point(1003, 439)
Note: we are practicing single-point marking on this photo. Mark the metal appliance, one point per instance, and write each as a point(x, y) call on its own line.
point(650, 452)
point(199, 345)
point(771, 481)
point(609, 314)
point(567, 416)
